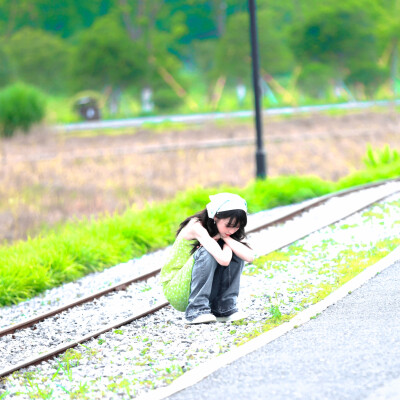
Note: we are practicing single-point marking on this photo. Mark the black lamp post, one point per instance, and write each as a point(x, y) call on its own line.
point(260, 153)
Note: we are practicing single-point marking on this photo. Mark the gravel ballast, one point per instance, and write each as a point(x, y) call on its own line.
point(154, 350)
point(349, 352)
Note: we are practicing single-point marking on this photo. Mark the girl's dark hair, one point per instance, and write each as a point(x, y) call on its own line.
point(237, 218)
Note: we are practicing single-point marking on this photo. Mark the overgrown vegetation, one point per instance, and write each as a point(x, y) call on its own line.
point(380, 157)
point(21, 106)
point(193, 56)
point(30, 267)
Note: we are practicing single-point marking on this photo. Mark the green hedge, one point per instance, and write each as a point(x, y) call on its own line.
point(21, 106)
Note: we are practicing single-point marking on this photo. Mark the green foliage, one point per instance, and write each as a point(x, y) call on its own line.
point(166, 99)
point(20, 107)
point(371, 76)
point(234, 46)
point(339, 35)
point(204, 52)
point(119, 58)
point(284, 190)
point(40, 58)
point(6, 68)
point(315, 79)
point(125, 44)
point(233, 54)
point(368, 175)
point(61, 18)
point(105, 55)
point(379, 158)
point(275, 312)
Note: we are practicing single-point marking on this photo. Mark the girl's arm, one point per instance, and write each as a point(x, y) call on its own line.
point(194, 230)
point(240, 249)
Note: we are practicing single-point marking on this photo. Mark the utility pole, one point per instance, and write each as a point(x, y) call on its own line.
point(260, 153)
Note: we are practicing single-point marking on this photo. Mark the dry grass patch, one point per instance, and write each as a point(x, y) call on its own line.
point(48, 178)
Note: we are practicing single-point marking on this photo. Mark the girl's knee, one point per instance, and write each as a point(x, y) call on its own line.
point(236, 261)
point(202, 255)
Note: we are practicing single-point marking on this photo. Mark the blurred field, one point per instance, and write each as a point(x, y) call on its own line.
point(47, 178)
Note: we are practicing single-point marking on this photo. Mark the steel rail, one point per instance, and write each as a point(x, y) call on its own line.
point(163, 148)
point(273, 247)
point(286, 215)
point(119, 286)
point(73, 343)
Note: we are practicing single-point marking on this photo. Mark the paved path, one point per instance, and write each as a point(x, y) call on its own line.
point(350, 351)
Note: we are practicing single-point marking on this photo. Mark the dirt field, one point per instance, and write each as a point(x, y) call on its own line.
point(47, 177)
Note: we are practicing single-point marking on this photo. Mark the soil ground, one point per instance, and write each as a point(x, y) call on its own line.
point(47, 178)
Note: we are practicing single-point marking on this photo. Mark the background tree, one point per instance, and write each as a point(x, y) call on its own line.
point(233, 51)
point(64, 18)
point(389, 33)
point(367, 78)
point(315, 79)
point(10, 15)
point(340, 35)
point(142, 21)
point(39, 58)
point(165, 44)
point(219, 10)
point(106, 56)
point(6, 68)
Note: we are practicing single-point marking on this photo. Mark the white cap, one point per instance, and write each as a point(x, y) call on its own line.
point(225, 202)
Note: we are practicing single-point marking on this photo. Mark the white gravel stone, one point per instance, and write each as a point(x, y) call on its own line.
point(150, 352)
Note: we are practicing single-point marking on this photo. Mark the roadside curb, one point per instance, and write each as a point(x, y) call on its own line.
point(202, 371)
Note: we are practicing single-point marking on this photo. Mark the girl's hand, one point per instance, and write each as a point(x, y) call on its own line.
point(240, 249)
point(197, 231)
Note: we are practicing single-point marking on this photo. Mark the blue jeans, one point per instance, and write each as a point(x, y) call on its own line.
point(214, 288)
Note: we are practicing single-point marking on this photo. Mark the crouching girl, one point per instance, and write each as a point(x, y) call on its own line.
point(202, 273)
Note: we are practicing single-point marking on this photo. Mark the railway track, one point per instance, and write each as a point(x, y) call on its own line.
point(162, 148)
point(121, 300)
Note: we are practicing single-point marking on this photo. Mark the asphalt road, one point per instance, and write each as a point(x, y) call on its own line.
point(350, 351)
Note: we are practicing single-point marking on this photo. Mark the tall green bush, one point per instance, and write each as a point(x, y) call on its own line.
point(315, 79)
point(370, 75)
point(20, 107)
point(166, 99)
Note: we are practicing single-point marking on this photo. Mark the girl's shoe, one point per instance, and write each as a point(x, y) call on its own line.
point(233, 317)
point(203, 319)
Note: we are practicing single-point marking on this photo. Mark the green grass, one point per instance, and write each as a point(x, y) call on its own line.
point(28, 268)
